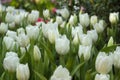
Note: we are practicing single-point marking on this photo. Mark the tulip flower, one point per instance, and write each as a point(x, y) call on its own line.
point(11, 61)
point(61, 73)
point(62, 45)
point(103, 63)
point(22, 72)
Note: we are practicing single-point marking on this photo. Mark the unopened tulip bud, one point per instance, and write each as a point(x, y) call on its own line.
point(114, 17)
point(37, 53)
point(110, 42)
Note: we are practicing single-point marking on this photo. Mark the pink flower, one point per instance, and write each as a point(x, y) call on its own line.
point(54, 10)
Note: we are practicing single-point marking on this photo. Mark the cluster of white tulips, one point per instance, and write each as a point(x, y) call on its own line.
point(64, 48)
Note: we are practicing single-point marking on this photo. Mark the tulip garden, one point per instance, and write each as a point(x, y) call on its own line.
point(59, 40)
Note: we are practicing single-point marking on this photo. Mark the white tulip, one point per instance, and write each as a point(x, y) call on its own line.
point(10, 62)
point(22, 50)
point(53, 33)
point(9, 42)
point(99, 27)
point(65, 13)
point(10, 9)
point(85, 51)
point(84, 19)
point(23, 40)
point(62, 45)
point(59, 20)
point(9, 18)
point(32, 32)
point(85, 39)
point(18, 19)
point(46, 13)
point(63, 24)
point(73, 19)
point(116, 57)
point(78, 30)
point(45, 28)
point(20, 31)
point(93, 20)
point(33, 16)
point(22, 72)
point(3, 28)
point(37, 53)
point(76, 40)
point(61, 73)
point(102, 77)
point(103, 63)
point(93, 34)
point(11, 34)
point(114, 17)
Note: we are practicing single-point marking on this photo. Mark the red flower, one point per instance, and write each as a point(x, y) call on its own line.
point(40, 20)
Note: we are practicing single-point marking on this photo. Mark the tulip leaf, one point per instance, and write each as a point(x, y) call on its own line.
point(41, 77)
point(49, 53)
point(77, 68)
point(109, 49)
point(2, 76)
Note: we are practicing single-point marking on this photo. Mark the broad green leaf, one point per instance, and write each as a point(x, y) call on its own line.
point(109, 49)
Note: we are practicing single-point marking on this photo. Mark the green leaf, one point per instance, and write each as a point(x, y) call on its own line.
point(109, 49)
point(77, 68)
point(41, 77)
point(2, 76)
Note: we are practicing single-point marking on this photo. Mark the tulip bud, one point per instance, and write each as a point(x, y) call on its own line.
point(85, 51)
point(37, 53)
point(61, 74)
point(102, 77)
point(76, 40)
point(110, 42)
point(73, 19)
point(103, 63)
point(10, 61)
point(63, 24)
point(65, 13)
point(84, 19)
point(22, 72)
point(46, 13)
point(114, 17)
point(62, 45)
point(93, 20)
point(3, 28)
point(59, 20)
point(33, 16)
